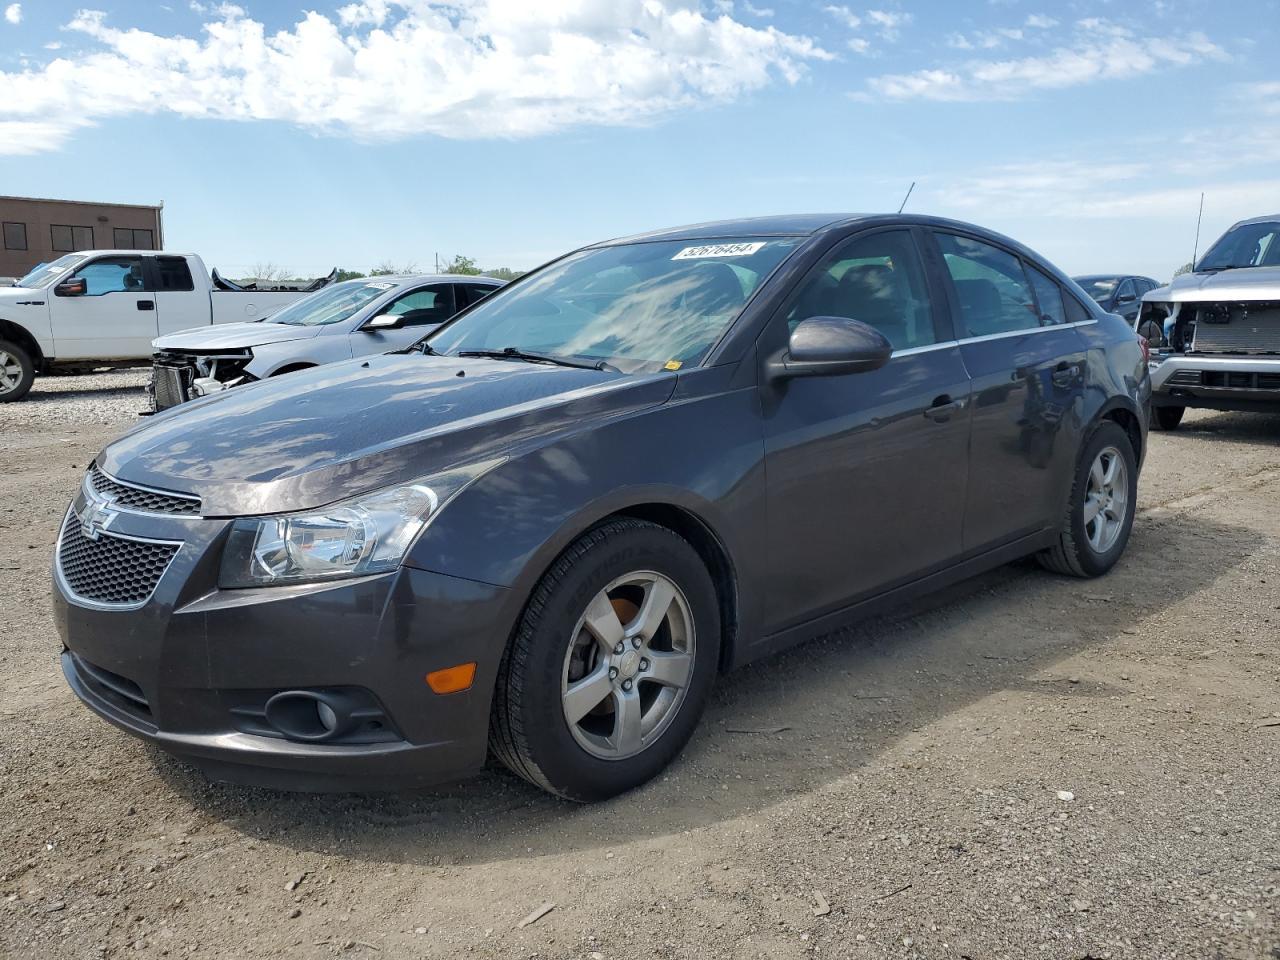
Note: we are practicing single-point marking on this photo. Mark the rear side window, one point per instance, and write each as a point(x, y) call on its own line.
point(1075, 312)
point(991, 287)
point(1048, 296)
point(473, 293)
point(173, 274)
point(876, 279)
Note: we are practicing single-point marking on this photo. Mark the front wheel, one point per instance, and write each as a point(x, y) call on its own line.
point(1168, 418)
point(611, 665)
point(17, 372)
point(1104, 498)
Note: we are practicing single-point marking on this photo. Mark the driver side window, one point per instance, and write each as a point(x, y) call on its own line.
point(875, 279)
point(425, 307)
point(112, 275)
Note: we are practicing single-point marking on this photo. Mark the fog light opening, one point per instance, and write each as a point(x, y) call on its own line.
point(308, 716)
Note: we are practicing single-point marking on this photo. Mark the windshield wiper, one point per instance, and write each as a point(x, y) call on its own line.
point(515, 353)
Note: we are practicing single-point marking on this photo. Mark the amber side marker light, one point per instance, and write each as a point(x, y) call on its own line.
point(452, 679)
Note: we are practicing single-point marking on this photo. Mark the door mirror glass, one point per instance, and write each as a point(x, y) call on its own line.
point(71, 287)
point(824, 346)
point(1127, 296)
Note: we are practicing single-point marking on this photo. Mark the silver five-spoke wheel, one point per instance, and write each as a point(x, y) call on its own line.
point(629, 664)
point(10, 372)
point(1106, 499)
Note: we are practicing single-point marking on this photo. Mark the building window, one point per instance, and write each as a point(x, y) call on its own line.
point(126, 239)
point(15, 236)
point(69, 239)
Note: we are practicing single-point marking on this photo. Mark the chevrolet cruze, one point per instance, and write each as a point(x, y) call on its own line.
point(544, 531)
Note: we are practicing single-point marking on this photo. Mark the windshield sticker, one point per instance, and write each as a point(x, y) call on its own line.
point(719, 250)
point(380, 286)
point(673, 365)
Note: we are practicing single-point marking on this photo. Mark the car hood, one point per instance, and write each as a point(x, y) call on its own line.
point(231, 336)
point(1246, 283)
point(321, 435)
point(20, 293)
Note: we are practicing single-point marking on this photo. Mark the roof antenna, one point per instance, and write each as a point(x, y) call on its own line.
point(907, 197)
point(1196, 250)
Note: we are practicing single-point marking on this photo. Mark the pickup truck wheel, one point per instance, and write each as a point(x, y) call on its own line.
point(17, 372)
point(1101, 508)
point(1168, 418)
point(611, 664)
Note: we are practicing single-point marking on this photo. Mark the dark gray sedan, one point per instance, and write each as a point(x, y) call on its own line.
point(547, 530)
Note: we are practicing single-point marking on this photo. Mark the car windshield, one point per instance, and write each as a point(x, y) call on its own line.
point(1248, 245)
point(1100, 288)
point(332, 304)
point(46, 272)
point(639, 307)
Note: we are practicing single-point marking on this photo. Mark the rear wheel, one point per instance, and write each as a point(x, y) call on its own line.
point(611, 665)
point(1168, 418)
point(17, 372)
point(1101, 507)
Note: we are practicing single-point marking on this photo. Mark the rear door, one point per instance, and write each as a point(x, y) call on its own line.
point(114, 319)
point(1028, 365)
point(865, 472)
point(421, 310)
point(178, 305)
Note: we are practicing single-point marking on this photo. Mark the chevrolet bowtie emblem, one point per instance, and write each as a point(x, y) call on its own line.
point(97, 517)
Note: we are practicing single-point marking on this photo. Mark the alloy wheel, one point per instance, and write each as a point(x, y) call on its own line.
point(1106, 500)
point(10, 372)
point(629, 665)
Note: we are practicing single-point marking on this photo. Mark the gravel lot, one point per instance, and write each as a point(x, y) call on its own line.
point(1026, 766)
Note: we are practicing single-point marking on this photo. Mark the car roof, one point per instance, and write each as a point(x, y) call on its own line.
point(403, 278)
point(1268, 218)
point(784, 225)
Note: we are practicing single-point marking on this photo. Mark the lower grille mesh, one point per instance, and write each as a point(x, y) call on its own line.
point(111, 569)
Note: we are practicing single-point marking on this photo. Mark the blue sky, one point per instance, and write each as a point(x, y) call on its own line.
point(351, 133)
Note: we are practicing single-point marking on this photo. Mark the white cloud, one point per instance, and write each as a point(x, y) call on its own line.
point(1101, 51)
point(1038, 21)
point(13, 13)
point(388, 70)
point(889, 23)
point(845, 16)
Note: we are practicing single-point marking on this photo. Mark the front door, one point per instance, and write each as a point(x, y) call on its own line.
point(115, 318)
point(866, 472)
point(1028, 365)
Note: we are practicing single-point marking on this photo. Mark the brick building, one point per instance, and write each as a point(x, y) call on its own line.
point(37, 231)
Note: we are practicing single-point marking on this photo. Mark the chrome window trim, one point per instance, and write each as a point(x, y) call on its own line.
point(93, 494)
point(911, 351)
point(98, 604)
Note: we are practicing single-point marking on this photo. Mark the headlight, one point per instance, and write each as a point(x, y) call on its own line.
point(369, 534)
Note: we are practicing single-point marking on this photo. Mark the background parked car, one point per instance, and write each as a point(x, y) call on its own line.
point(349, 319)
point(1117, 293)
point(102, 308)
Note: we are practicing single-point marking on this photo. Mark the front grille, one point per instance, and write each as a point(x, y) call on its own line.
point(129, 497)
point(115, 689)
point(1239, 380)
point(111, 569)
point(170, 384)
point(1185, 378)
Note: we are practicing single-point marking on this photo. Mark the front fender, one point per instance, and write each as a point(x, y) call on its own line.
point(271, 358)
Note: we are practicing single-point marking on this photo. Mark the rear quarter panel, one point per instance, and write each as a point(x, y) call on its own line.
point(1117, 376)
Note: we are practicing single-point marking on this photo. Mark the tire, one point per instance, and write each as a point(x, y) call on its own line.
point(554, 653)
point(17, 372)
point(1083, 550)
point(1168, 418)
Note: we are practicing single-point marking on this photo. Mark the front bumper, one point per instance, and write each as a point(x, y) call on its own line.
point(1216, 382)
point(191, 668)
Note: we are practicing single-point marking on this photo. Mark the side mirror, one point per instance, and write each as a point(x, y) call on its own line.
point(1126, 298)
point(384, 321)
point(823, 346)
point(72, 287)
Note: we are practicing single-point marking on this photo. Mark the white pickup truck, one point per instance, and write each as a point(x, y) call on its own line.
point(102, 308)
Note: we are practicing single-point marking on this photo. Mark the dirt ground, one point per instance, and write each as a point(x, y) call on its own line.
point(1027, 766)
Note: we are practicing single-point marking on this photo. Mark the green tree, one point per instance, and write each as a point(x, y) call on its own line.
point(347, 275)
point(505, 273)
point(1185, 268)
point(465, 266)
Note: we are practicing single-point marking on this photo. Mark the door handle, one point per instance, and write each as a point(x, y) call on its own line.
point(146, 304)
point(943, 407)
